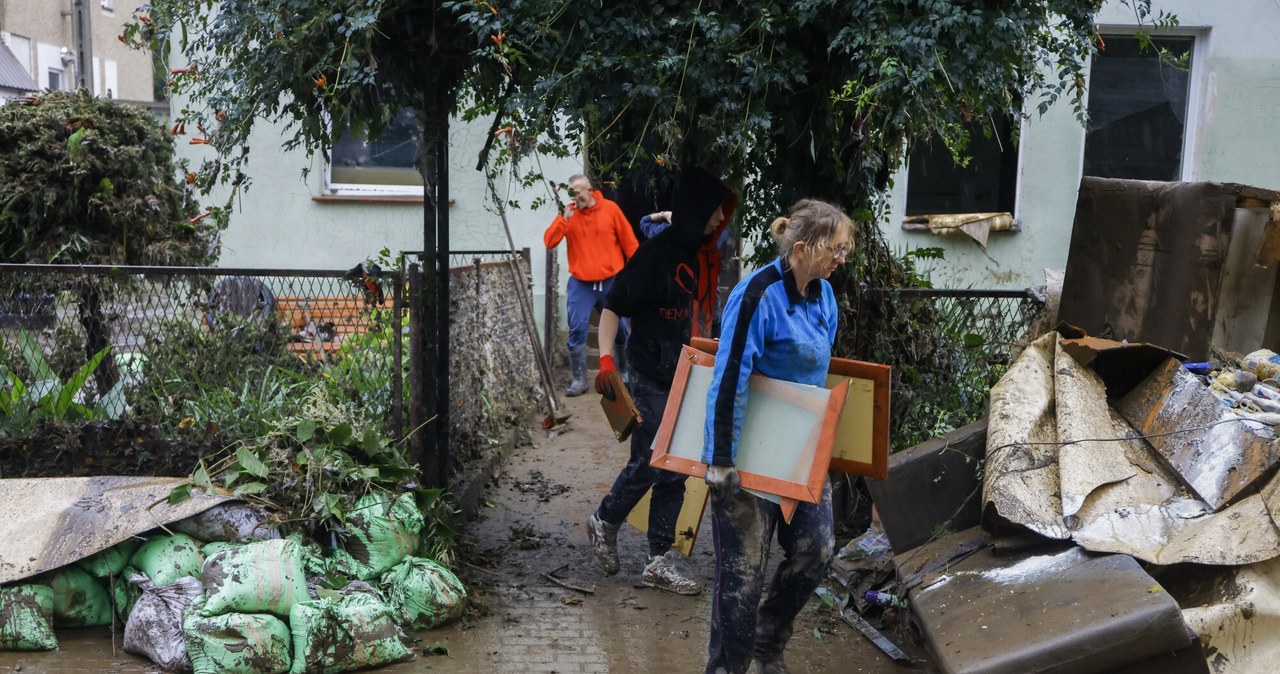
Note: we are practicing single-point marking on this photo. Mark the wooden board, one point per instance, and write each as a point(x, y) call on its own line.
point(688, 522)
point(621, 412)
point(784, 448)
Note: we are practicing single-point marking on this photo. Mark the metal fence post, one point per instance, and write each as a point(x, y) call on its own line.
point(417, 387)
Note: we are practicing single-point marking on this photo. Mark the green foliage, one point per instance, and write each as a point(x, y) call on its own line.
point(46, 397)
point(93, 181)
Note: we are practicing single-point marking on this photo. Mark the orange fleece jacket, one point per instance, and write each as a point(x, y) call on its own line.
point(600, 239)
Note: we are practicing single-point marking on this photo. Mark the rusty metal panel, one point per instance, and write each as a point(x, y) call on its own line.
point(1055, 609)
point(1146, 261)
point(1217, 453)
point(46, 523)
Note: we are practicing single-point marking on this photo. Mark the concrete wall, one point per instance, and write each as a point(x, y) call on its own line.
point(47, 23)
point(1229, 138)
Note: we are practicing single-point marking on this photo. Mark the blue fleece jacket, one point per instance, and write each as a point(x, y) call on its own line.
point(770, 328)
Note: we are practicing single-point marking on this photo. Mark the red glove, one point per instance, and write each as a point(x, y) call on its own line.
point(603, 387)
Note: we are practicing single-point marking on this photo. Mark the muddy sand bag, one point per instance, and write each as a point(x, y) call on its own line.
point(123, 593)
point(154, 628)
point(382, 532)
point(423, 593)
point(345, 633)
point(26, 618)
point(236, 643)
point(227, 522)
point(261, 577)
point(211, 549)
point(79, 600)
point(110, 563)
point(165, 559)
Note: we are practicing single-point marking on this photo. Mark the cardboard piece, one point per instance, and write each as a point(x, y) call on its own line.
point(688, 522)
point(862, 438)
point(785, 445)
point(621, 412)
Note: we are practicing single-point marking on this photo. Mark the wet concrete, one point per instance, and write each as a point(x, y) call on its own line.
point(534, 625)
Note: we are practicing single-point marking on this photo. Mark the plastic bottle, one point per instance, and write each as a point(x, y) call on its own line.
point(885, 599)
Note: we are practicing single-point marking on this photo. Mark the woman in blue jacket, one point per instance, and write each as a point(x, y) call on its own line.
point(781, 322)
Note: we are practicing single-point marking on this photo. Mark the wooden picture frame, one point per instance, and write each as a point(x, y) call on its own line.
point(795, 470)
point(862, 438)
point(621, 412)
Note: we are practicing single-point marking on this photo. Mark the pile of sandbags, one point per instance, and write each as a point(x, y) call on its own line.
point(210, 598)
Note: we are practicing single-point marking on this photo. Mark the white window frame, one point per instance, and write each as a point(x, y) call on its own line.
point(1197, 83)
point(341, 189)
point(62, 78)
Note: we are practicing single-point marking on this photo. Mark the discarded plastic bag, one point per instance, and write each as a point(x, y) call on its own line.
point(227, 522)
point(165, 559)
point(383, 532)
point(110, 562)
point(423, 593)
point(260, 577)
point(154, 628)
point(79, 600)
point(344, 633)
point(236, 643)
point(26, 618)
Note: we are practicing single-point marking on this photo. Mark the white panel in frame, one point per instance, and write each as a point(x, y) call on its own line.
point(785, 444)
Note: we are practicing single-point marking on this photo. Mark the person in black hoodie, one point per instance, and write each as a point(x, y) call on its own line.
point(656, 290)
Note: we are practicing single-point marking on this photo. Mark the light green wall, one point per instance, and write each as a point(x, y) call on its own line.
point(278, 223)
point(1231, 130)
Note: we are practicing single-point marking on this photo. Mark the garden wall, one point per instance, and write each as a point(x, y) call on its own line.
point(495, 384)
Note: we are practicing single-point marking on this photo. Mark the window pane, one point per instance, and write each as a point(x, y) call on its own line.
point(935, 184)
point(1137, 110)
point(385, 160)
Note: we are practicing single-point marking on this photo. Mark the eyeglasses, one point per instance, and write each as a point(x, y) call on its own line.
point(838, 252)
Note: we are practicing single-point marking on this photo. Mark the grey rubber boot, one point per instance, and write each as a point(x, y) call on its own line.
point(578, 366)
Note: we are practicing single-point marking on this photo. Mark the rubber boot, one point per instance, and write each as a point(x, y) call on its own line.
point(577, 366)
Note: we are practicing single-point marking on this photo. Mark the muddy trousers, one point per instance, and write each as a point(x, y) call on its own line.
point(638, 476)
point(742, 627)
point(583, 298)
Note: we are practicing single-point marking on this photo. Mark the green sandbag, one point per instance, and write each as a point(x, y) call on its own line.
point(260, 577)
point(165, 559)
point(343, 634)
point(26, 618)
point(383, 532)
point(110, 562)
point(423, 593)
point(235, 643)
point(123, 593)
point(79, 600)
point(211, 549)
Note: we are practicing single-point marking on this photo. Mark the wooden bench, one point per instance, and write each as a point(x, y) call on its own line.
point(321, 324)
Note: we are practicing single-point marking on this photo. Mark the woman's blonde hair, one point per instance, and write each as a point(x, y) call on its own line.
point(811, 221)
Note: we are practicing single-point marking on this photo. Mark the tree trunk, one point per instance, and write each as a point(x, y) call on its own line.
point(97, 336)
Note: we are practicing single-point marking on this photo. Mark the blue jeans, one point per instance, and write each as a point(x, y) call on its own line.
point(742, 627)
point(638, 476)
point(583, 298)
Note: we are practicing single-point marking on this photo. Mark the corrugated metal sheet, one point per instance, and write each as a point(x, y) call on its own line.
point(12, 74)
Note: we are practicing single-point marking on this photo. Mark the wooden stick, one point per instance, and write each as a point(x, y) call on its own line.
point(567, 586)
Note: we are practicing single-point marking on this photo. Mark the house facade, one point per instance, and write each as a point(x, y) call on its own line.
point(1196, 107)
point(42, 39)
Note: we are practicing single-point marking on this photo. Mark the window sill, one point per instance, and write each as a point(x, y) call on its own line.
point(371, 198)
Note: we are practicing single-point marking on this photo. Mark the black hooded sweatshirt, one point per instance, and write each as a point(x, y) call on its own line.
point(657, 286)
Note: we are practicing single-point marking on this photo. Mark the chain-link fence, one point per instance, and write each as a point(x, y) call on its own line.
point(165, 342)
point(952, 346)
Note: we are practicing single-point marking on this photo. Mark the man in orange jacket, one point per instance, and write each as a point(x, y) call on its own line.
point(600, 243)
